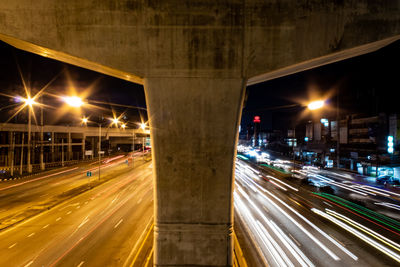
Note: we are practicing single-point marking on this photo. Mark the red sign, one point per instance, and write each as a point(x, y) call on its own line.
point(256, 119)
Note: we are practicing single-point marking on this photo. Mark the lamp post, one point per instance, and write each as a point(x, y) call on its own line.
point(314, 105)
point(29, 102)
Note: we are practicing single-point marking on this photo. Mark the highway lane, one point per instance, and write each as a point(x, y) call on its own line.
point(97, 228)
point(23, 198)
point(291, 226)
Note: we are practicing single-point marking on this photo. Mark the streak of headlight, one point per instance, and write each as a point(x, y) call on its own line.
point(386, 191)
point(374, 191)
point(328, 251)
point(275, 250)
point(276, 179)
point(360, 235)
point(293, 248)
point(329, 181)
point(283, 259)
point(354, 257)
point(365, 229)
point(251, 221)
point(389, 205)
point(277, 185)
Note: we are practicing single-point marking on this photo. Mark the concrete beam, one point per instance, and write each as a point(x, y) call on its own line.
point(88, 131)
point(227, 38)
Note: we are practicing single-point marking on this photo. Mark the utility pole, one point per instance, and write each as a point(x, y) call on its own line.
point(99, 148)
point(41, 140)
point(29, 166)
point(22, 154)
point(12, 153)
point(337, 130)
point(62, 151)
point(133, 148)
point(294, 137)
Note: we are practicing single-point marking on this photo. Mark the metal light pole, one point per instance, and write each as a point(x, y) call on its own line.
point(99, 148)
point(29, 166)
point(22, 153)
point(12, 153)
point(337, 131)
point(62, 152)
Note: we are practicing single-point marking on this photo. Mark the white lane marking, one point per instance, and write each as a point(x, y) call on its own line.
point(59, 218)
point(13, 245)
point(327, 204)
point(86, 202)
point(140, 200)
point(29, 264)
point(69, 212)
point(114, 199)
point(44, 195)
point(80, 264)
point(32, 234)
point(83, 222)
point(78, 207)
point(120, 221)
point(295, 240)
point(44, 227)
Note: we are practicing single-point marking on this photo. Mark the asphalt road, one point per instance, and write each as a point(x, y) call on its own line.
point(99, 227)
point(289, 225)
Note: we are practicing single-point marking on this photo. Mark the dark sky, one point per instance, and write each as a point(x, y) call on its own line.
point(367, 85)
point(38, 71)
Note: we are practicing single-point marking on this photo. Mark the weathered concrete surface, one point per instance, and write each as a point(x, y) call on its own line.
point(202, 38)
point(194, 57)
point(193, 167)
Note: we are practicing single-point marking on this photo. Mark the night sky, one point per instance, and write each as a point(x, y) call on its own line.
point(367, 85)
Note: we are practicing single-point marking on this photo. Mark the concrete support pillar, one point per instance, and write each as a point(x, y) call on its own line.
point(69, 154)
point(93, 147)
point(42, 166)
point(83, 145)
point(194, 124)
point(52, 147)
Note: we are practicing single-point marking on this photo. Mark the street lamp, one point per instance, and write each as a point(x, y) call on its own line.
point(143, 126)
point(314, 105)
point(84, 121)
point(73, 101)
point(115, 121)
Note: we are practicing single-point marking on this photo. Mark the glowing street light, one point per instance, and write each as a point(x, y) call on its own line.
point(123, 126)
point(73, 101)
point(316, 105)
point(143, 126)
point(115, 121)
point(85, 120)
point(29, 101)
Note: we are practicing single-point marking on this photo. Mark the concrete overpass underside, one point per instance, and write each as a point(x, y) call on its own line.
point(195, 59)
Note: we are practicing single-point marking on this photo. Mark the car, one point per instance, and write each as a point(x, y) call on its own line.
point(387, 179)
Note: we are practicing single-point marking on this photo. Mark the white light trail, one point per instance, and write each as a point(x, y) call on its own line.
point(358, 234)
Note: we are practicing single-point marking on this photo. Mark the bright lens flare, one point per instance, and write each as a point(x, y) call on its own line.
point(143, 126)
point(85, 120)
point(316, 105)
point(123, 126)
point(73, 101)
point(115, 121)
point(28, 101)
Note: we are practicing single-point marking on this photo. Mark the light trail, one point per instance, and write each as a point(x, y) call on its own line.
point(360, 235)
point(276, 179)
point(365, 229)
